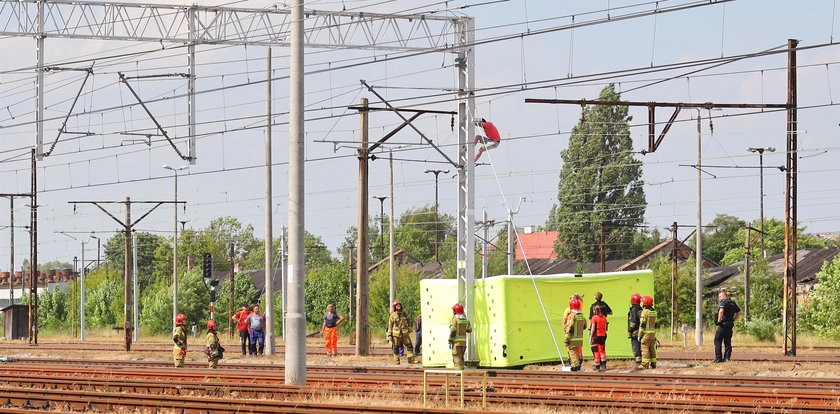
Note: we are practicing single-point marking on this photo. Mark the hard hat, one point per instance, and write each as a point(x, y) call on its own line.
point(635, 298)
point(575, 304)
point(211, 324)
point(395, 303)
point(647, 301)
point(457, 309)
point(181, 318)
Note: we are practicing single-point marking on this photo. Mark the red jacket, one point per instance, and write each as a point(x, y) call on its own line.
point(491, 131)
point(599, 322)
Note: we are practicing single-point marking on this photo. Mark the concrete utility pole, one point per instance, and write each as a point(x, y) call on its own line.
point(128, 230)
point(747, 273)
point(698, 266)
point(232, 292)
point(296, 343)
point(136, 289)
point(12, 250)
point(33, 232)
point(760, 152)
point(675, 250)
point(174, 244)
point(362, 331)
point(82, 297)
point(284, 279)
point(391, 243)
point(269, 225)
point(437, 213)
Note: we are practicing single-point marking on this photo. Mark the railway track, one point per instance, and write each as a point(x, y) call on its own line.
point(686, 393)
point(273, 372)
point(666, 355)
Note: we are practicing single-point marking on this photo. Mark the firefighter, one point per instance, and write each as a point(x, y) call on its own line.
point(179, 352)
point(633, 326)
point(574, 326)
point(214, 348)
point(399, 328)
point(647, 333)
point(459, 327)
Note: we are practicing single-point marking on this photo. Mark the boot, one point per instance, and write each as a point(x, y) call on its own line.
point(653, 364)
point(397, 359)
point(596, 367)
point(261, 348)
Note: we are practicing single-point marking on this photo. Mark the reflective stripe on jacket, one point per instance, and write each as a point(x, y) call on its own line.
point(575, 328)
point(180, 337)
point(458, 329)
point(399, 324)
point(648, 321)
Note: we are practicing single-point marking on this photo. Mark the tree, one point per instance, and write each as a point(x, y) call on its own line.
point(723, 237)
point(408, 293)
point(416, 234)
point(147, 245)
point(600, 181)
point(821, 311)
point(774, 241)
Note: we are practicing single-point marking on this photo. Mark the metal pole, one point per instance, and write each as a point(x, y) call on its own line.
point(511, 250)
point(284, 279)
point(174, 255)
point(191, 85)
point(82, 297)
point(296, 344)
point(12, 250)
point(33, 255)
point(674, 279)
point(747, 274)
point(232, 292)
point(485, 270)
point(391, 245)
point(269, 230)
point(761, 211)
point(136, 291)
point(791, 172)
point(698, 267)
point(466, 174)
point(601, 247)
point(362, 330)
point(437, 220)
point(39, 82)
point(127, 276)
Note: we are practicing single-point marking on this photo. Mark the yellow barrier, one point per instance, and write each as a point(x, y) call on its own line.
point(460, 372)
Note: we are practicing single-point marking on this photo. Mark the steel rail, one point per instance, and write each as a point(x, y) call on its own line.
point(538, 391)
point(751, 401)
point(271, 370)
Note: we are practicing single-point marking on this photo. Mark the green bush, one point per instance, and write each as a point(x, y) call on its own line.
point(408, 293)
point(762, 329)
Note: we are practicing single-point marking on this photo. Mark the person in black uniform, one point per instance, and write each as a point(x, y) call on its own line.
point(605, 309)
point(633, 326)
point(728, 313)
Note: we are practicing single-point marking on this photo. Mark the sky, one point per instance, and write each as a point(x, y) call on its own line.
point(228, 177)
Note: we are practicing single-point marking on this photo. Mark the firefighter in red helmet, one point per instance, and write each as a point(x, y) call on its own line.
point(573, 328)
point(459, 327)
point(633, 326)
point(647, 333)
point(179, 336)
point(399, 332)
point(214, 348)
